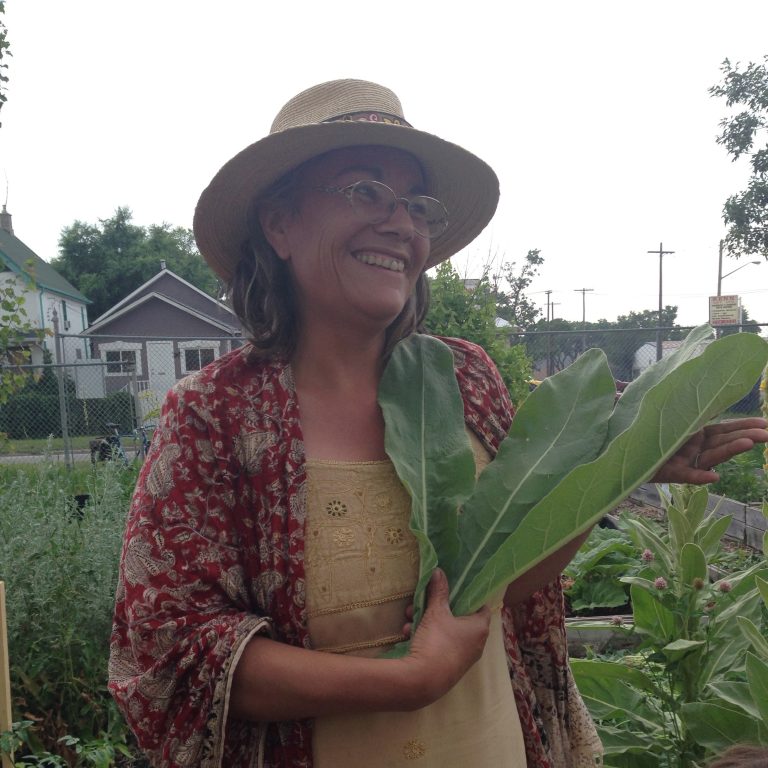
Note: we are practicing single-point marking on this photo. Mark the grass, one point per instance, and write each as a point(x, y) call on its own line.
point(38, 447)
point(55, 445)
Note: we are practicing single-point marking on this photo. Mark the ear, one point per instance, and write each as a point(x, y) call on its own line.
point(275, 224)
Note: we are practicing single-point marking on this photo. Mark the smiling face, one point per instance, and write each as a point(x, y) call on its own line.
point(344, 269)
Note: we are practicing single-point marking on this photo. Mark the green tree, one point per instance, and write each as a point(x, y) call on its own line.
point(109, 260)
point(4, 51)
point(17, 336)
point(512, 303)
point(471, 315)
point(744, 133)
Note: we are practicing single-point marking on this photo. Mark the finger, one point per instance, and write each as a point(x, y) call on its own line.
point(407, 629)
point(717, 439)
point(437, 593)
point(711, 456)
point(736, 425)
point(409, 612)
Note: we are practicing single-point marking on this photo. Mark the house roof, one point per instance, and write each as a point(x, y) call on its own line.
point(108, 317)
point(218, 316)
point(132, 297)
point(17, 257)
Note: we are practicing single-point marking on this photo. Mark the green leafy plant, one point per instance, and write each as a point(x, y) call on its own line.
point(593, 578)
point(471, 314)
point(691, 689)
point(101, 752)
point(570, 455)
point(59, 563)
point(741, 478)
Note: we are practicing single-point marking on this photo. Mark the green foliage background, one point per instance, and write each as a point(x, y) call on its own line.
point(743, 133)
point(471, 315)
point(109, 260)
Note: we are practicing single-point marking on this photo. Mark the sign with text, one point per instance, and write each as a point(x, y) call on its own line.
point(724, 310)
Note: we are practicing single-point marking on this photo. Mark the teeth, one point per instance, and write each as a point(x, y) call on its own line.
point(376, 259)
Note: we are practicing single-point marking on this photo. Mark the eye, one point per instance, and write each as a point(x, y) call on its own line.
point(420, 208)
point(368, 193)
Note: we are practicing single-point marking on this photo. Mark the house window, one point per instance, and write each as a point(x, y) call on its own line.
point(121, 361)
point(195, 359)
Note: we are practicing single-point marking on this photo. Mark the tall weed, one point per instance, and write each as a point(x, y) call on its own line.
point(59, 563)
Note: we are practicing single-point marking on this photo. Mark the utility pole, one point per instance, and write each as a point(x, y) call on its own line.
point(583, 292)
point(549, 338)
point(720, 268)
point(662, 253)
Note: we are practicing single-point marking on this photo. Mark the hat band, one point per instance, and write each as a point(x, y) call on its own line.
point(369, 117)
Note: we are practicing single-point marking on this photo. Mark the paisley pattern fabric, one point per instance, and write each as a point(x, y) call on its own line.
point(213, 554)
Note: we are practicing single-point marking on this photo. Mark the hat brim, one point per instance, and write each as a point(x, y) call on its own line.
point(466, 185)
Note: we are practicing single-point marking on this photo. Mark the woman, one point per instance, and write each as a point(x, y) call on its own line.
point(267, 560)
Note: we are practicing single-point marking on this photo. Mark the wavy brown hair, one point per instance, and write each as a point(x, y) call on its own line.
point(261, 290)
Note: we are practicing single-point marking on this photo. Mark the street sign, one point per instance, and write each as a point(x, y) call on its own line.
point(724, 310)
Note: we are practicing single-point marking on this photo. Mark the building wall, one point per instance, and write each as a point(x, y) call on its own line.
point(39, 305)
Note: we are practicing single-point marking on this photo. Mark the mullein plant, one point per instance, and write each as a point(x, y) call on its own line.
point(572, 453)
point(698, 681)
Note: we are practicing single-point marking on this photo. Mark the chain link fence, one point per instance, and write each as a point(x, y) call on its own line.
point(110, 386)
point(106, 387)
point(629, 350)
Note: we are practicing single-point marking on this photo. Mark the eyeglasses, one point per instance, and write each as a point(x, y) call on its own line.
point(376, 202)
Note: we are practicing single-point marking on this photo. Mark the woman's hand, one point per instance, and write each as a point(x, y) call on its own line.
point(444, 646)
point(710, 446)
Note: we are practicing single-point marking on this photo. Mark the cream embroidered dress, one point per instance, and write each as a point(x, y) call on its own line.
point(361, 567)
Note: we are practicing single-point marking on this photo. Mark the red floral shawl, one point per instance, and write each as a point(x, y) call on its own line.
point(213, 553)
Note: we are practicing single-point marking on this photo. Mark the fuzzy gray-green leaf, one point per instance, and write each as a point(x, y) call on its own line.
point(686, 399)
point(427, 442)
point(560, 425)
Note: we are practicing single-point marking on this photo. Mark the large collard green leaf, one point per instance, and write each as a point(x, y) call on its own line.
point(629, 403)
point(427, 442)
point(560, 425)
point(681, 403)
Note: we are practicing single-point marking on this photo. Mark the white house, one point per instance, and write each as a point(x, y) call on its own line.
point(45, 291)
point(645, 356)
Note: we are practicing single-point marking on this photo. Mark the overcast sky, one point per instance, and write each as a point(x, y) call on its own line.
point(594, 114)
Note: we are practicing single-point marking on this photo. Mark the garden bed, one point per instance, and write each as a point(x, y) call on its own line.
point(747, 527)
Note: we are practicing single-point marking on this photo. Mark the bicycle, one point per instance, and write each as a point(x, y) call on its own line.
point(110, 447)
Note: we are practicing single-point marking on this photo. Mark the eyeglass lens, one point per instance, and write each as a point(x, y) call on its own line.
point(377, 202)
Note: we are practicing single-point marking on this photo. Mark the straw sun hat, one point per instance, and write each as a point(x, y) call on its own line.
point(333, 115)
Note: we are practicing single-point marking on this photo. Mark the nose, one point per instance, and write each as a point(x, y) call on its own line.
point(399, 221)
